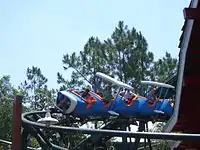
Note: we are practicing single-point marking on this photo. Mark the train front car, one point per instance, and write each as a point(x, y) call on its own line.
point(82, 103)
point(86, 103)
point(66, 102)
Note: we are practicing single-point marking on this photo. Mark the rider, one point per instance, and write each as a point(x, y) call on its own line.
point(108, 93)
point(152, 95)
point(86, 92)
point(127, 94)
point(152, 98)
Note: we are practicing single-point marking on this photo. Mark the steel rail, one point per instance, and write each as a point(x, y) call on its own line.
point(164, 136)
point(10, 143)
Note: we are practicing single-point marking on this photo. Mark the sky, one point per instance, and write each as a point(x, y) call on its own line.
point(39, 32)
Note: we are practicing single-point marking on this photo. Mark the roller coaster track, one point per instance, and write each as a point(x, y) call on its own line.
point(34, 126)
point(10, 143)
point(96, 138)
point(31, 148)
point(90, 137)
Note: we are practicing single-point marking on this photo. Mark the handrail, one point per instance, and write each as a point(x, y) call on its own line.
point(157, 84)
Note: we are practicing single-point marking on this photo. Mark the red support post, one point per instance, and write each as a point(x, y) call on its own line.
point(16, 122)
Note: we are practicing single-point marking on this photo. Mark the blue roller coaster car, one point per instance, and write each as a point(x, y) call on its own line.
point(85, 103)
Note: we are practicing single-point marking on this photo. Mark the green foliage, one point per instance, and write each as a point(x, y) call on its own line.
point(35, 89)
point(124, 56)
point(164, 68)
point(32, 142)
point(5, 147)
point(87, 63)
point(6, 97)
point(163, 144)
point(128, 55)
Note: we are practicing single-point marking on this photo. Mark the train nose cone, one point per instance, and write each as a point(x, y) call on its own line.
point(66, 102)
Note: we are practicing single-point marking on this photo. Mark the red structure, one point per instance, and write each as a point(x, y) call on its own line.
point(16, 123)
point(187, 118)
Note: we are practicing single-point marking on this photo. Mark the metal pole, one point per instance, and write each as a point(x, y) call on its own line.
point(160, 93)
point(16, 122)
point(141, 128)
point(130, 139)
point(124, 138)
point(166, 94)
point(148, 139)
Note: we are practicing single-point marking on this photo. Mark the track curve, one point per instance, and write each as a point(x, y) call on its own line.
point(117, 133)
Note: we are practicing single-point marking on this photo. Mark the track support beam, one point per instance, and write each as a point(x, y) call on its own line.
point(192, 13)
